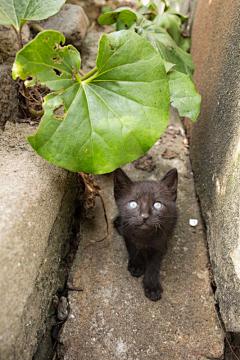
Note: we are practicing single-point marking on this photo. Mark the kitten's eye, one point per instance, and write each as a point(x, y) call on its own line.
point(157, 205)
point(133, 205)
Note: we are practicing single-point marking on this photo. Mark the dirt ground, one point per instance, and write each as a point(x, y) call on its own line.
point(112, 318)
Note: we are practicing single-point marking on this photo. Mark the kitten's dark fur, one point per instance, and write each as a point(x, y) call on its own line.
point(146, 229)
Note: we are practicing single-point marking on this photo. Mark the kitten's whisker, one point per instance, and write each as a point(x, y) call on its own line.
point(126, 226)
point(159, 225)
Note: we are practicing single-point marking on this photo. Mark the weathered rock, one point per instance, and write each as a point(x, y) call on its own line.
point(9, 106)
point(215, 145)
point(92, 7)
point(62, 311)
point(37, 202)
point(112, 318)
point(71, 21)
point(89, 50)
point(8, 95)
point(9, 45)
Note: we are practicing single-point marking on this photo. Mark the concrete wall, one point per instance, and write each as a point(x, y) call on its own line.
point(215, 144)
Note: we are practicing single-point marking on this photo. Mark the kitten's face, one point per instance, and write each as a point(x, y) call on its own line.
point(146, 205)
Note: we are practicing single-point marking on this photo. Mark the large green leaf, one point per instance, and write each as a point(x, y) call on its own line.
point(124, 14)
point(110, 119)
point(166, 47)
point(13, 11)
point(183, 95)
point(170, 22)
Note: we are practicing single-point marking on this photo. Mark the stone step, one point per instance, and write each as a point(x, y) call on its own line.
point(37, 204)
point(112, 318)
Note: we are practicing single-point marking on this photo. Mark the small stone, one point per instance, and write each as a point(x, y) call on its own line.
point(62, 311)
point(71, 21)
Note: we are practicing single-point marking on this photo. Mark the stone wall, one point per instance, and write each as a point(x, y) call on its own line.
point(215, 144)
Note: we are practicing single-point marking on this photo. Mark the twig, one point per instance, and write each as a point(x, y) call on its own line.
point(106, 219)
point(32, 98)
point(59, 333)
point(91, 190)
point(32, 111)
point(70, 285)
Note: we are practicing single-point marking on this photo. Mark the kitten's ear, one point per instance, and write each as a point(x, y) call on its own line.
point(171, 181)
point(122, 183)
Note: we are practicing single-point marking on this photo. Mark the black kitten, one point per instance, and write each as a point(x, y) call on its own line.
point(147, 215)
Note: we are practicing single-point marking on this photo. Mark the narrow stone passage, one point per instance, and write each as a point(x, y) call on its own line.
point(112, 318)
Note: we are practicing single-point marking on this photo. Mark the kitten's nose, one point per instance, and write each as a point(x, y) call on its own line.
point(144, 216)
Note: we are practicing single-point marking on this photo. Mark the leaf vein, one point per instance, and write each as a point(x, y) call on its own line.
point(124, 125)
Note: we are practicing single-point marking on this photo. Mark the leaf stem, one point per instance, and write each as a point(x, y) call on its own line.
point(91, 27)
point(78, 78)
point(19, 36)
point(35, 112)
point(81, 72)
point(36, 27)
point(90, 73)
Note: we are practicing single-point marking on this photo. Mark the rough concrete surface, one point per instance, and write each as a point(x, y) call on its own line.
point(71, 21)
point(37, 202)
point(215, 145)
point(112, 319)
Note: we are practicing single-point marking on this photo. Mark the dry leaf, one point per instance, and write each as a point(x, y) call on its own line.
point(169, 154)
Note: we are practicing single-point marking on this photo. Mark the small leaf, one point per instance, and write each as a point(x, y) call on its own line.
point(166, 47)
point(124, 14)
point(185, 43)
point(170, 22)
point(13, 11)
point(168, 65)
point(121, 26)
point(173, 11)
point(110, 119)
point(183, 95)
point(143, 10)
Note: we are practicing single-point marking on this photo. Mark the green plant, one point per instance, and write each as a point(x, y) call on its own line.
point(170, 20)
point(16, 13)
point(117, 111)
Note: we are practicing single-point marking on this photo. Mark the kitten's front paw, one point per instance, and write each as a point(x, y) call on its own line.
point(136, 269)
point(153, 292)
